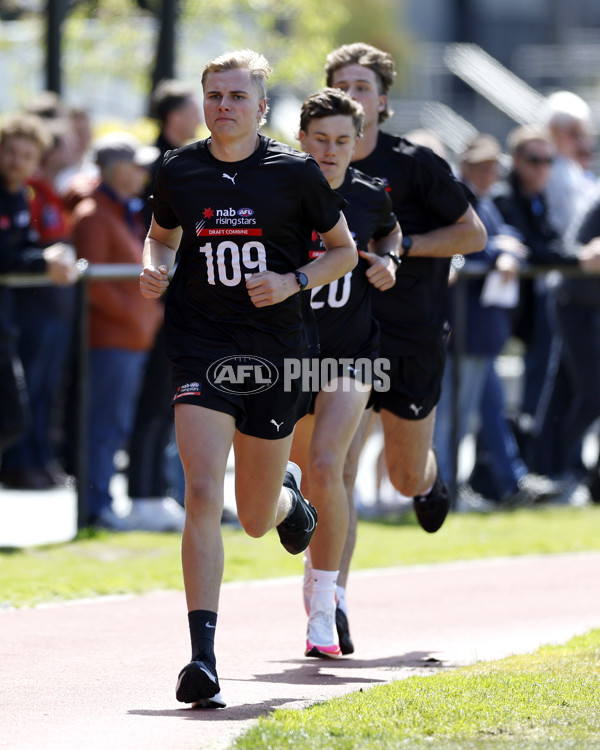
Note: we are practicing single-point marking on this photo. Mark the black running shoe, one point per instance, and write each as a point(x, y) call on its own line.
point(198, 684)
point(296, 530)
point(431, 509)
point(343, 631)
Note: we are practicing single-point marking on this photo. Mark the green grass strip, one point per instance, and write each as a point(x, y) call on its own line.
point(99, 562)
point(545, 700)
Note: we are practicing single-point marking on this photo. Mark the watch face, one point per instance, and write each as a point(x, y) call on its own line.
point(302, 279)
point(406, 243)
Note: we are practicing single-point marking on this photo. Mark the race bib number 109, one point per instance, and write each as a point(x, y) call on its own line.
point(230, 265)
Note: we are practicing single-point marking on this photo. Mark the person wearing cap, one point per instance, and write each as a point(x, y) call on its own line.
point(487, 321)
point(108, 229)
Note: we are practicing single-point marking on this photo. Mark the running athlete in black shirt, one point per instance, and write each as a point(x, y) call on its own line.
point(330, 125)
point(241, 209)
point(437, 222)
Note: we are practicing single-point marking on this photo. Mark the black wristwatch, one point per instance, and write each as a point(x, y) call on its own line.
point(302, 280)
point(394, 257)
point(407, 243)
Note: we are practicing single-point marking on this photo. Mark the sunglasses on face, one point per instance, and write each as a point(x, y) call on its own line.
point(537, 161)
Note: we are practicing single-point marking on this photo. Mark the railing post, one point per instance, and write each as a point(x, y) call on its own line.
point(459, 346)
point(82, 441)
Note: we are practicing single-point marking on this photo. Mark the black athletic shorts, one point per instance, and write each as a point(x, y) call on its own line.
point(415, 384)
point(269, 412)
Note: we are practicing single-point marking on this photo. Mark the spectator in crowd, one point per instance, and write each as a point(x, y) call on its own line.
point(521, 199)
point(45, 317)
point(568, 190)
point(23, 139)
point(46, 105)
point(430, 139)
point(575, 353)
point(108, 228)
point(82, 174)
point(486, 331)
point(578, 318)
point(568, 118)
point(174, 106)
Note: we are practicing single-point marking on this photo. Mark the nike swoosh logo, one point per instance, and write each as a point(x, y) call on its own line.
point(309, 518)
point(208, 625)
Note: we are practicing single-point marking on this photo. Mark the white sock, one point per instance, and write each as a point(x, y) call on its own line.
point(424, 494)
point(340, 594)
point(323, 592)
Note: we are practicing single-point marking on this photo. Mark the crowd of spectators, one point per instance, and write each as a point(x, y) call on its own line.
point(65, 195)
point(543, 202)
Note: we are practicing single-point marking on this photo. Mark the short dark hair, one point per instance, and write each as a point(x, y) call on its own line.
point(359, 53)
point(327, 103)
point(168, 96)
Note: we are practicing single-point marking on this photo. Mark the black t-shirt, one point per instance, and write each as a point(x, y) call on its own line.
point(425, 196)
point(343, 307)
point(238, 218)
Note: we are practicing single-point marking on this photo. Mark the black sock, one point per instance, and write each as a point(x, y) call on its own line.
point(203, 624)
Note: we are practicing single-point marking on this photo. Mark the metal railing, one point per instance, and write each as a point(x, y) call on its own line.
point(129, 272)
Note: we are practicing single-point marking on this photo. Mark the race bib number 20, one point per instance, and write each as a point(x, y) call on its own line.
point(230, 265)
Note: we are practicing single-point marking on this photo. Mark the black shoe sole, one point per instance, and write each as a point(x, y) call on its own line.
point(343, 631)
point(315, 653)
point(195, 685)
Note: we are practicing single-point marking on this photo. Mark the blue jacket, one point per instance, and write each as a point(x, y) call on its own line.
point(487, 328)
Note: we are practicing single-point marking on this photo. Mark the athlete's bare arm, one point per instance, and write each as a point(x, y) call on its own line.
point(268, 288)
point(158, 257)
point(382, 270)
point(466, 236)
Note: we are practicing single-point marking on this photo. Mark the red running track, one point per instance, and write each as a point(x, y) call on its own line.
point(100, 675)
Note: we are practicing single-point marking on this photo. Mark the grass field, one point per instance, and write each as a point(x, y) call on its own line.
point(99, 563)
point(545, 700)
point(533, 702)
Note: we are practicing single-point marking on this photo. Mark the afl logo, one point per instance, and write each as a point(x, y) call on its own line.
point(245, 212)
point(242, 374)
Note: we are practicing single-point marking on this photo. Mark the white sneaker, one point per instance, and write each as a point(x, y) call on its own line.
point(157, 514)
point(322, 638)
point(108, 519)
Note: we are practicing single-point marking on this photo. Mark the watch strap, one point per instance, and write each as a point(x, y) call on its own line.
point(394, 257)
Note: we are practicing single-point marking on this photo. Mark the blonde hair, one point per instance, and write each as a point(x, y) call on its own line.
point(243, 59)
point(27, 126)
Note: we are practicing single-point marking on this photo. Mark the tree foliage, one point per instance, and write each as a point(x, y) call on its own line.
point(294, 35)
